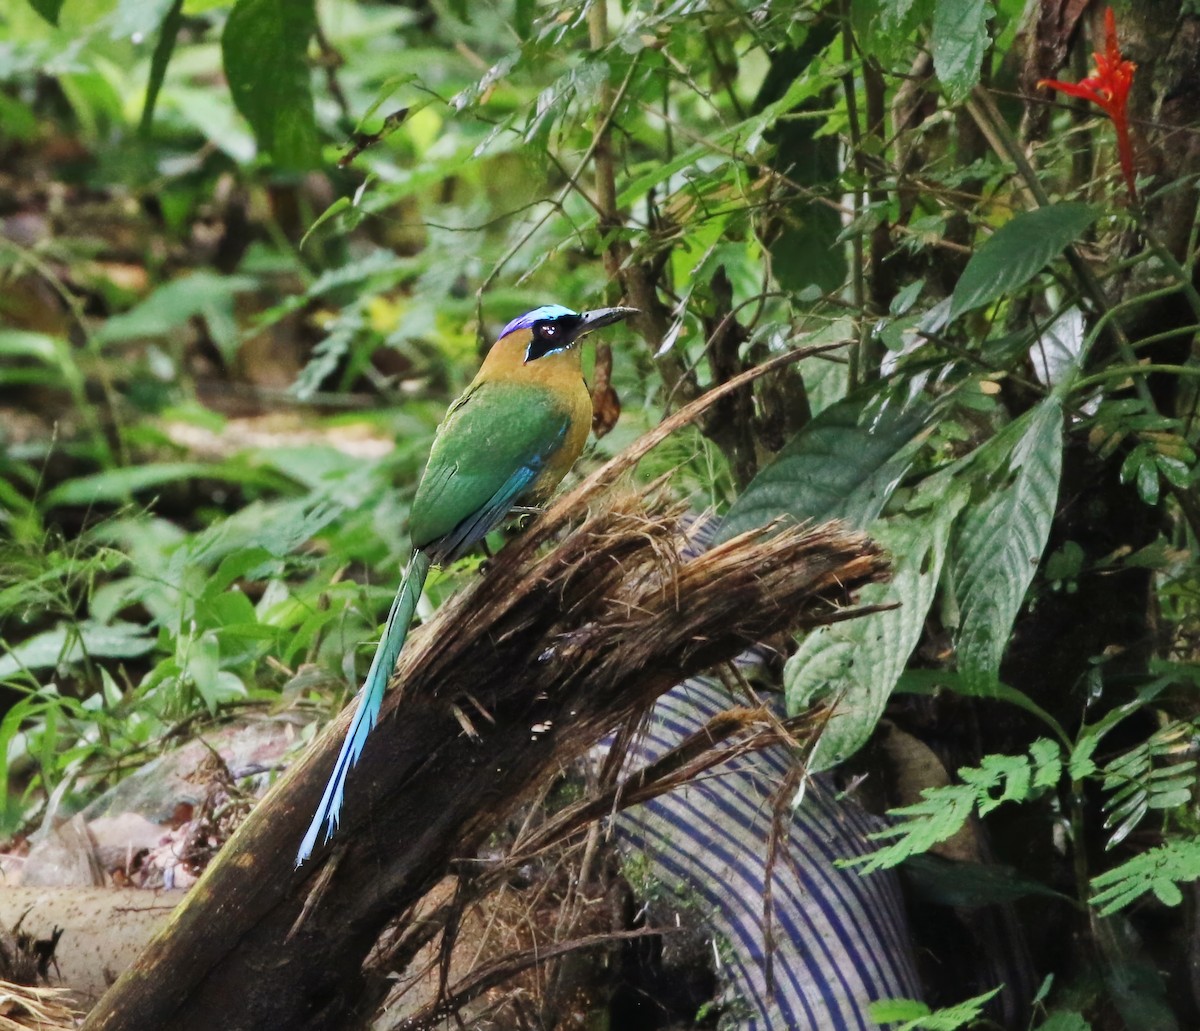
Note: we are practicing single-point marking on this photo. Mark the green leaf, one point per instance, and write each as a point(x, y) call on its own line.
point(1154, 774)
point(948, 882)
point(1018, 251)
point(336, 208)
point(919, 1017)
point(883, 27)
point(68, 643)
point(1064, 1020)
point(139, 17)
point(1159, 870)
point(48, 9)
point(842, 465)
point(943, 810)
point(855, 664)
point(959, 40)
point(928, 681)
point(523, 14)
point(116, 485)
point(1000, 543)
point(264, 48)
point(167, 35)
point(887, 1011)
point(171, 305)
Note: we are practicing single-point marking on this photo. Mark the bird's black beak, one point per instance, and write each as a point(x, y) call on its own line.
point(603, 317)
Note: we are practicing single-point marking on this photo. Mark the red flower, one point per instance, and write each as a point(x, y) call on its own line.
point(1108, 87)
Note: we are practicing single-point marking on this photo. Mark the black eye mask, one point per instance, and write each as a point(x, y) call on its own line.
point(551, 335)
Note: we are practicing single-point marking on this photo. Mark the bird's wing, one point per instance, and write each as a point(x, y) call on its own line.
point(488, 453)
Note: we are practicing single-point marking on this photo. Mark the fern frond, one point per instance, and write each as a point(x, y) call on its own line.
point(942, 811)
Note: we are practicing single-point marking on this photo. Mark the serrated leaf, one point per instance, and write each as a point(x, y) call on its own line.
point(1011, 773)
point(1000, 543)
point(939, 815)
point(1047, 760)
point(1018, 251)
point(883, 27)
point(959, 40)
point(842, 465)
point(265, 52)
point(856, 663)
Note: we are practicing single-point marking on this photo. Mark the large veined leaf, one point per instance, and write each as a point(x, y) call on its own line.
point(856, 664)
point(1018, 251)
point(1001, 542)
point(842, 465)
point(958, 41)
point(264, 47)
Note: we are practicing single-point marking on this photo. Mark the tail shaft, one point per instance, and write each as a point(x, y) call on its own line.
point(370, 698)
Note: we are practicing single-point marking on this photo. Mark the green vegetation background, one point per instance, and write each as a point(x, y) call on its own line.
point(251, 250)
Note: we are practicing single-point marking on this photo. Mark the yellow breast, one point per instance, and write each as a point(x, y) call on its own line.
point(561, 374)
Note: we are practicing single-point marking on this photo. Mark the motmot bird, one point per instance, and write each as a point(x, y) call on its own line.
point(509, 439)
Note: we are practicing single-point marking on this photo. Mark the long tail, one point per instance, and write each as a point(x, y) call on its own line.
point(369, 700)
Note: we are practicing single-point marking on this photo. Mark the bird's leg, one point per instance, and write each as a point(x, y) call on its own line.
point(526, 510)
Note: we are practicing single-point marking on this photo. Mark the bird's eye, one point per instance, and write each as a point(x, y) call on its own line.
point(549, 331)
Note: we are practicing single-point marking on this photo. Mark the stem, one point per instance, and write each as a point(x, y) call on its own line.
point(635, 279)
point(1118, 371)
point(606, 180)
point(1168, 259)
point(858, 355)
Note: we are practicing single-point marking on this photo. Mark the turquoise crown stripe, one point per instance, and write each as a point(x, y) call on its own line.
point(526, 321)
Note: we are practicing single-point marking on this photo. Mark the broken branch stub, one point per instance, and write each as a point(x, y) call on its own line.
point(548, 650)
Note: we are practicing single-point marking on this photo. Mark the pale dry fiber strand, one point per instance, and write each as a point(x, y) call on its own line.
point(31, 1008)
